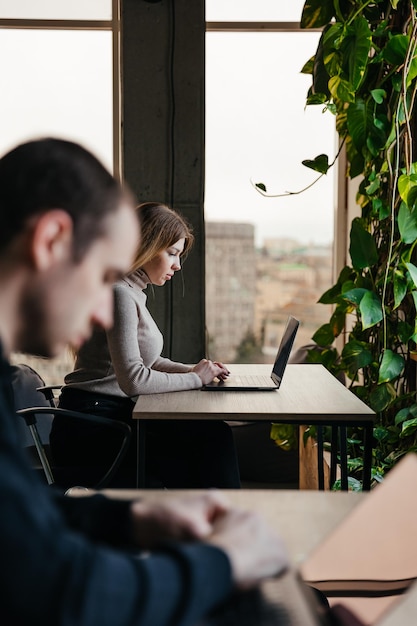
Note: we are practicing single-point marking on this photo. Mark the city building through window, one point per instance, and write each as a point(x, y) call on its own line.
point(267, 255)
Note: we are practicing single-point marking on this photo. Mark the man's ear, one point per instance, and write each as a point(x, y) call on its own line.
point(52, 238)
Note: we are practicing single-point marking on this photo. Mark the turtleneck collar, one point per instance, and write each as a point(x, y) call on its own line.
point(138, 278)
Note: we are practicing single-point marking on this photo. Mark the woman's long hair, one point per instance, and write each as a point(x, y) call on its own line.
point(161, 227)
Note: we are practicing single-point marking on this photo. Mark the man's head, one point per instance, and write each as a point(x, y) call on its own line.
point(67, 232)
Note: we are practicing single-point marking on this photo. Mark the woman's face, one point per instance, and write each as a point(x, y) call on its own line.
point(163, 266)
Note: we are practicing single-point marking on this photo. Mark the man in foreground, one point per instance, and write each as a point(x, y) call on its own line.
point(67, 232)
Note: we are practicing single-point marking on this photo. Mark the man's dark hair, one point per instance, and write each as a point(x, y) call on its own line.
point(50, 174)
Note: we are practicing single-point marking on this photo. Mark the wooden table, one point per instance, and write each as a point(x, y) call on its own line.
point(309, 394)
point(303, 518)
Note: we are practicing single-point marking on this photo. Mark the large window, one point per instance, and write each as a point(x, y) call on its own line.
point(60, 78)
point(266, 256)
point(57, 83)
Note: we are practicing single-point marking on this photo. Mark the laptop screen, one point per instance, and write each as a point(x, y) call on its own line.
point(284, 350)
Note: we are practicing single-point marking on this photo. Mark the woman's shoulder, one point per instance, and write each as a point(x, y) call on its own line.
point(122, 285)
point(125, 291)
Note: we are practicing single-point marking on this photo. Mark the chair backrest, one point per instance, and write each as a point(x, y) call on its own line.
point(32, 401)
point(26, 383)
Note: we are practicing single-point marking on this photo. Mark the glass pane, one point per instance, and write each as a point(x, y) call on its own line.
point(258, 129)
point(53, 10)
point(250, 11)
point(57, 83)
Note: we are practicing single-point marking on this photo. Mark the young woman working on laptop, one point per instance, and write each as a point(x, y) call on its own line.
point(116, 366)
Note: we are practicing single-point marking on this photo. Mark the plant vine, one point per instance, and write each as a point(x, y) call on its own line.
point(364, 72)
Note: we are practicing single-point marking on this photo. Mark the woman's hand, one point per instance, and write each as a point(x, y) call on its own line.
point(208, 370)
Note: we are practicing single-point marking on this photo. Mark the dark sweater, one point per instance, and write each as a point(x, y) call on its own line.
point(68, 561)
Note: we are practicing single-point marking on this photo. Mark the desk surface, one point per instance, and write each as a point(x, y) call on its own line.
point(303, 518)
point(308, 394)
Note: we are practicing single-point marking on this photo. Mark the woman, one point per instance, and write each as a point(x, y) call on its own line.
point(117, 365)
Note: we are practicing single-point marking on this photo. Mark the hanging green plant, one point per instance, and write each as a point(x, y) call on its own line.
point(364, 72)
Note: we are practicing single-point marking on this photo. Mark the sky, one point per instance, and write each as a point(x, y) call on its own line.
point(259, 130)
point(66, 93)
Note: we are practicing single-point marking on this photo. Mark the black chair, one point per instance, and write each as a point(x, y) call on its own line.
point(35, 403)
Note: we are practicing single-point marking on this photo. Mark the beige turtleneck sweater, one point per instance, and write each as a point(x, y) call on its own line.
point(126, 360)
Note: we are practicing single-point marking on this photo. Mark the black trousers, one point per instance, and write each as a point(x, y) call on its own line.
point(179, 454)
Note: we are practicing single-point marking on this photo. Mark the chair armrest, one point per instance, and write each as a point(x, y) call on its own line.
point(29, 415)
point(48, 392)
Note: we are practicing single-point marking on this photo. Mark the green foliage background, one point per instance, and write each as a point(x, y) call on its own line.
point(364, 72)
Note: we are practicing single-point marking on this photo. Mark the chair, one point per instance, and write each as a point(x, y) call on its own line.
point(35, 401)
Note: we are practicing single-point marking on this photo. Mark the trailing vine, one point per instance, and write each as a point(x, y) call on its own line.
point(364, 72)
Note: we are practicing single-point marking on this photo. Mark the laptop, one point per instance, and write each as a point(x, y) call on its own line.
point(262, 383)
point(366, 567)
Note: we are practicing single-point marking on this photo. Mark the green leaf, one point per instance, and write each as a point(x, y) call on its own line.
point(348, 285)
point(381, 208)
point(413, 272)
point(324, 335)
point(407, 223)
point(412, 198)
point(379, 95)
point(406, 184)
point(341, 89)
point(356, 165)
point(373, 186)
point(331, 295)
point(316, 98)
point(319, 164)
point(381, 397)
point(405, 331)
point(362, 246)
point(401, 416)
point(308, 67)
point(371, 309)
point(396, 49)
point(412, 72)
point(320, 73)
point(284, 436)
point(382, 123)
point(409, 427)
point(353, 484)
point(260, 186)
point(316, 13)
point(355, 49)
point(356, 354)
point(392, 365)
point(380, 433)
point(360, 120)
point(400, 288)
point(337, 321)
point(354, 295)
point(326, 356)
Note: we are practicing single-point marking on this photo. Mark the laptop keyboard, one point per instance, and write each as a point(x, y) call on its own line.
point(249, 380)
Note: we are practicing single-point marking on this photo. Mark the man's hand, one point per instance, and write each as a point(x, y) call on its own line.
point(255, 552)
point(180, 518)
